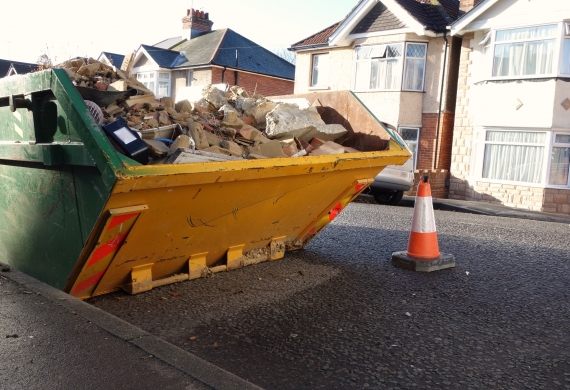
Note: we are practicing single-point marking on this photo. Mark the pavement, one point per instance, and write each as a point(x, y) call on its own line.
point(331, 316)
point(481, 208)
point(51, 340)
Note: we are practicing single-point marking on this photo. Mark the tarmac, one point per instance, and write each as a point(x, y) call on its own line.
point(49, 339)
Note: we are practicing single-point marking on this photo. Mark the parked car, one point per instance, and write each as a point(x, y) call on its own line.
point(390, 184)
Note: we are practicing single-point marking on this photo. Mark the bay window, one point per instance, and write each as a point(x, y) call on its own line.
point(566, 57)
point(560, 160)
point(381, 67)
point(540, 158)
point(514, 156)
point(526, 51)
point(415, 67)
point(163, 84)
point(159, 84)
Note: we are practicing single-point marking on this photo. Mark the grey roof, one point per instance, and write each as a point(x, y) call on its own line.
point(435, 15)
point(431, 13)
point(114, 58)
point(200, 50)
point(20, 67)
point(379, 18)
point(169, 43)
point(164, 58)
point(219, 47)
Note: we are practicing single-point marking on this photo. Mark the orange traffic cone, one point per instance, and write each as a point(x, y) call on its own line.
point(423, 250)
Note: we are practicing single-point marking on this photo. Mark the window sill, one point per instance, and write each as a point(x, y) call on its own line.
point(319, 87)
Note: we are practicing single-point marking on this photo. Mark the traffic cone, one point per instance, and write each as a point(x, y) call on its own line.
point(423, 253)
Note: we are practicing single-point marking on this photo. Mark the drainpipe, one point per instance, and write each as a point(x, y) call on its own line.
point(440, 100)
point(224, 75)
point(237, 67)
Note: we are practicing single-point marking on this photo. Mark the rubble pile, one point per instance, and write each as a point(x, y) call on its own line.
point(220, 126)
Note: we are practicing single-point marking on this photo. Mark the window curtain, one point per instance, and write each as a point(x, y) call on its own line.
point(566, 57)
point(534, 57)
point(414, 76)
point(511, 156)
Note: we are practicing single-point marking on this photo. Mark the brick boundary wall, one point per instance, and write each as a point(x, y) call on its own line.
point(426, 145)
point(437, 179)
point(266, 86)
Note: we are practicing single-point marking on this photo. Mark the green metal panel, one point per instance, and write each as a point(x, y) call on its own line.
point(57, 169)
point(39, 229)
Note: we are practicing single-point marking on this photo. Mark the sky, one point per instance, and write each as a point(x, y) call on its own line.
point(63, 29)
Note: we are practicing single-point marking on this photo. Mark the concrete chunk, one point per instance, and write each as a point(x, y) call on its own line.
point(288, 121)
point(182, 141)
point(328, 147)
point(234, 148)
point(269, 149)
point(259, 112)
point(120, 85)
point(214, 96)
point(198, 134)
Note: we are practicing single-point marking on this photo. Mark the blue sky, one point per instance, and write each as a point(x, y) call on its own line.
point(64, 28)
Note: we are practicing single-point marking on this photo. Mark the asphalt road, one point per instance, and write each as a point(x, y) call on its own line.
point(338, 315)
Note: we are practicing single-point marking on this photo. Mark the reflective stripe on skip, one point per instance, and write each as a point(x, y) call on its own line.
point(423, 221)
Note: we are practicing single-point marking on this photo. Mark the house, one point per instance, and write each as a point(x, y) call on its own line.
point(10, 68)
point(177, 66)
point(397, 57)
point(111, 58)
point(511, 140)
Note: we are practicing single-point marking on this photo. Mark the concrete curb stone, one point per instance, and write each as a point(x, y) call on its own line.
point(191, 365)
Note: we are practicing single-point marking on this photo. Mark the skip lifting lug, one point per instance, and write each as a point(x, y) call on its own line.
point(19, 101)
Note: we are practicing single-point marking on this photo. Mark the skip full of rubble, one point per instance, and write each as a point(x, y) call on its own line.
point(221, 126)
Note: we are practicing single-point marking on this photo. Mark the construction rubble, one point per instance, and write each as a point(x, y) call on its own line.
point(221, 126)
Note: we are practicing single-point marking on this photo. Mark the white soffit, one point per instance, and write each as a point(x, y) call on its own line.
point(459, 26)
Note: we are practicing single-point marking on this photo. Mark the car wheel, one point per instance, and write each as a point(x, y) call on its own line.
point(389, 197)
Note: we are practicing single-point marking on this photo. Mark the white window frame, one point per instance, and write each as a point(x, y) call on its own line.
point(146, 77)
point(320, 84)
point(406, 65)
point(190, 78)
point(554, 144)
point(416, 142)
point(478, 156)
point(383, 47)
point(401, 68)
point(556, 60)
point(164, 80)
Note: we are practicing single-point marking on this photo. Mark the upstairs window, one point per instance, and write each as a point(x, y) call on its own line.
point(393, 67)
point(415, 67)
point(379, 67)
point(527, 51)
point(320, 70)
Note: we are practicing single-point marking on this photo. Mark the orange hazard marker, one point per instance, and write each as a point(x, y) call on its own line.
point(423, 250)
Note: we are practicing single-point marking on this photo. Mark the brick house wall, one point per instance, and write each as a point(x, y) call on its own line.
point(266, 86)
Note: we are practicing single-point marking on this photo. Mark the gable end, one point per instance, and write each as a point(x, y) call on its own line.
point(379, 18)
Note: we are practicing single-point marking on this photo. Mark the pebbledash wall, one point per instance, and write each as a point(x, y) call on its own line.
point(464, 187)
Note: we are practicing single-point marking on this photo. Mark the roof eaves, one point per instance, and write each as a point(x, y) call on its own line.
point(457, 26)
point(332, 26)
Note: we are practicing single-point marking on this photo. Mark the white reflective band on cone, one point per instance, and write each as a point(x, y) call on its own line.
point(423, 221)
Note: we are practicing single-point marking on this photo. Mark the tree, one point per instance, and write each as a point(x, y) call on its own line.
point(287, 55)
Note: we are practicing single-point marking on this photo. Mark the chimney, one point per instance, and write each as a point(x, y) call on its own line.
point(466, 5)
point(196, 23)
